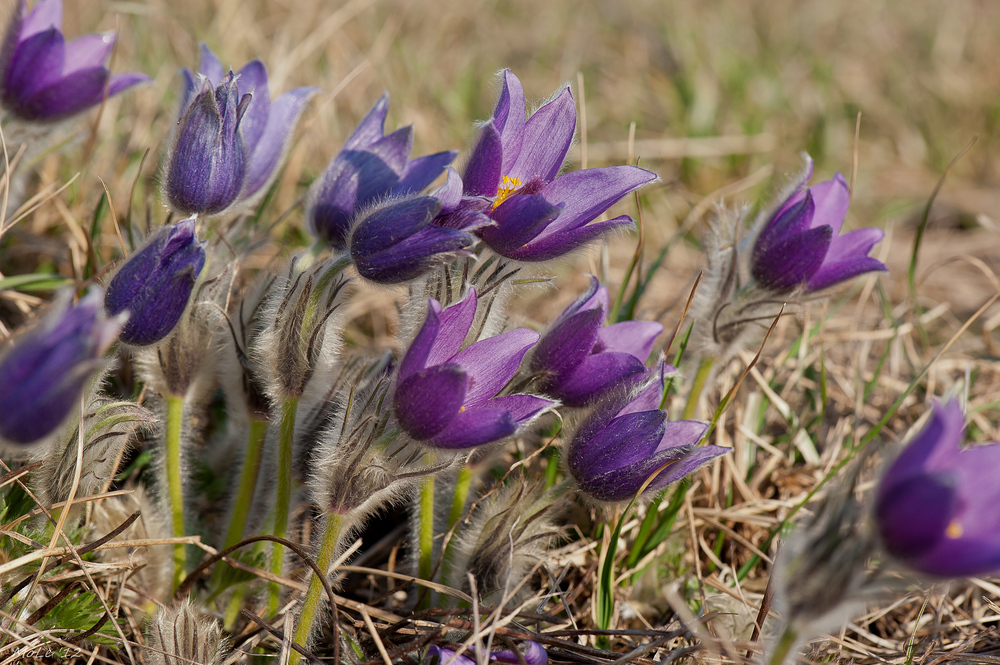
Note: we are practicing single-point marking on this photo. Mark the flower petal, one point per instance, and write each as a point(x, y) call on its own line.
point(583, 195)
point(476, 427)
point(521, 407)
point(415, 358)
point(422, 171)
point(371, 128)
point(426, 401)
point(412, 256)
point(792, 260)
point(88, 51)
point(632, 337)
point(832, 199)
point(252, 79)
point(547, 137)
point(483, 171)
point(508, 117)
point(492, 362)
point(44, 15)
point(913, 517)
point(210, 67)
point(519, 219)
point(455, 322)
point(37, 62)
point(598, 374)
point(567, 343)
point(273, 143)
point(554, 245)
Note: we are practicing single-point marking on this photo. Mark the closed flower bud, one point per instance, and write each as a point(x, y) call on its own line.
point(182, 635)
point(43, 375)
point(208, 162)
point(624, 443)
point(45, 79)
point(580, 360)
point(155, 284)
point(936, 507)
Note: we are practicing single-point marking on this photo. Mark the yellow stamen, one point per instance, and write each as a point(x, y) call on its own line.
point(506, 188)
point(461, 409)
point(954, 530)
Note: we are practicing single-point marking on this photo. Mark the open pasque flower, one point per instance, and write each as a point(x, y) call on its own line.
point(156, 282)
point(801, 245)
point(446, 396)
point(231, 136)
point(370, 167)
point(936, 507)
point(46, 370)
point(625, 442)
point(538, 216)
point(581, 360)
point(46, 79)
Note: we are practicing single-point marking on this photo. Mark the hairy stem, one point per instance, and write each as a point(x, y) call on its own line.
point(462, 485)
point(698, 386)
point(283, 496)
point(426, 531)
point(175, 489)
point(310, 606)
point(783, 646)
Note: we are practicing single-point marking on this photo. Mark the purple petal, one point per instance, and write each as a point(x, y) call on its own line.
point(426, 401)
point(491, 363)
point(685, 465)
point(210, 67)
point(450, 193)
point(447, 656)
point(394, 149)
point(791, 261)
point(583, 195)
point(589, 300)
point(476, 427)
point(554, 245)
point(68, 96)
point(508, 118)
point(682, 433)
point(412, 257)
point(832, 199)
point(914, 516)
point(519, 220)
point(535, 655)
point(422, 171)
point(483, 172)
point(390, 223)
point(36, 63)
point(598, 374)
point(632, 337)
point(648, 399)
point(934, 448)
point(961, 557)
point(252, 79)
point(521, 407)
point(455, 323)
point(547, 137)
point(626, 440)
point(847, 258)
point(88, 51)
point(424, 342)
point(979, 490)
point(791, 221)
point(371, 128)
point(45, 14)
point(567, 343)
point(469, 215)
point(122, 82)
point(273, 143)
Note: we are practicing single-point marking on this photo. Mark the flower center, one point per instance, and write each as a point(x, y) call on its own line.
point(506, 188)
point(954, 530)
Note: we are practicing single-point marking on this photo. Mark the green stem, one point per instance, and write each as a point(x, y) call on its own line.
point(327, 549)
point(426, 533)
point(175, 489)
point(283, 496)
point(783, 646)
point(462, 484)
point(700, 379)
point(233, 608)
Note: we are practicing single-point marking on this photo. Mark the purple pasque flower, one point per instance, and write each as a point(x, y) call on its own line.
point(538, 216)
point(446, 396)
point(232, 136)
point(801, 244)
point(155, 284)
point(580, 360)
point(46, 79)
point(534, 654)
point(43, 374)
point(401, 238)
point(370, 167)
point(936, 506)
point(624, 442)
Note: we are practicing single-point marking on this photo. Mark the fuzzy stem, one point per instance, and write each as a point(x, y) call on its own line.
point(425, 519)
point(462, 484)
point(327, 549)
point(283, 495)
point(783, 646)
point(233, 608)
point(175, 489)
point(700, 379)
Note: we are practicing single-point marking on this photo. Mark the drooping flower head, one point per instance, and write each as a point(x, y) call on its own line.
point(625, 442)
point(155, 284)
point(538, 214)
point(581, 360)
point(231, 137)
point(801, 245)
point(47, 368)
point(46, 79)
point(936, 507)
point(370, 167)
point(446, 396)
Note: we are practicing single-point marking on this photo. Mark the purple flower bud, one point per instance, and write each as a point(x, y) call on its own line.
point(936, 507)
point(446, 396)
point(155, 284)
point(624, 442)
point(800, 245)
point(398, 240)
point(44, 78)
point(535, 654)
point(537, 215)
point(580, 361)
point(442, 656)
point(370, 167)
point(44, 373)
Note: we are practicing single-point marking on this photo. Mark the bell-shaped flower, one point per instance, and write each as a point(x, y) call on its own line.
point(623, 443)
point(936, 506)
point(45, 371)
point(45, 79)
point(580, 360)
point(801, 245)
point(538, 214)
point(155, 284)
point(447, 396)
point(401, 238)
point(370, 167)
point(227, 153)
